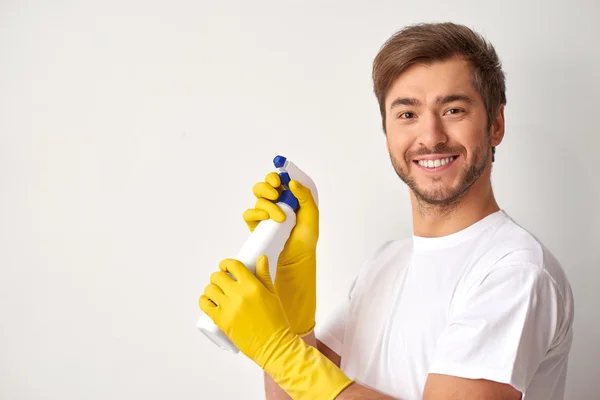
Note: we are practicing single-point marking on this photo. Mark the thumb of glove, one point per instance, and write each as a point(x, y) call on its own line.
point(303, 194)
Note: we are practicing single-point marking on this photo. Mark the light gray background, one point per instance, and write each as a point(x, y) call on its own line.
point(131, 133)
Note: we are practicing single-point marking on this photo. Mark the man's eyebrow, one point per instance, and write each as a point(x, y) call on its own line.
point(404, 101)
point(451, 98)
point(409, 101)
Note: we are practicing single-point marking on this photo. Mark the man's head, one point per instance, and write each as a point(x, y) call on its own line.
point(441, 94)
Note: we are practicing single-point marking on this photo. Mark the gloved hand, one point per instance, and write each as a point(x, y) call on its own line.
point(296, 280)
point(247, 309)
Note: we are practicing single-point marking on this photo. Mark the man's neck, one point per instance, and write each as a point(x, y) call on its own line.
point(436, 221)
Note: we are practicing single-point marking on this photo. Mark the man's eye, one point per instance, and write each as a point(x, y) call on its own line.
point(406, 115)
point(454, 111)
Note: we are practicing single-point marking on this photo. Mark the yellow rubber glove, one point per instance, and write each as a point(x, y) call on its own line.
point(296, 281)
point(247, 309)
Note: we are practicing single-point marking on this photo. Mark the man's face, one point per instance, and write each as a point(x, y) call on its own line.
point(436, 130)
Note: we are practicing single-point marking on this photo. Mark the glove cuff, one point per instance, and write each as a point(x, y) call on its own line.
point(311, 330)
point(303, 372)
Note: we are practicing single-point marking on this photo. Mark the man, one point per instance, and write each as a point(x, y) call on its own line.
point(471, 307)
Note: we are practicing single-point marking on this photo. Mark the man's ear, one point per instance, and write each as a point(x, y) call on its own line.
point(497, 128)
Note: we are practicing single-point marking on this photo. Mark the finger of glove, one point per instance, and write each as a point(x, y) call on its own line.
point(273, 179)
point(223, 281)
point(265, 190)
point(275, 213)
point(252, 217)
point(207, 306)
point(237, 269)
point(214, 293)
point(263, 274)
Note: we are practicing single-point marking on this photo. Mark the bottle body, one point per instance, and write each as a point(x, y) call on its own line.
point(269, 238)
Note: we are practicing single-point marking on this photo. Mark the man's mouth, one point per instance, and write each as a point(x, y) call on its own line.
point(435, 164)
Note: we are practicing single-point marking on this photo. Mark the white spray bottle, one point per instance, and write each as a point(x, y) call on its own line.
point(268, 238)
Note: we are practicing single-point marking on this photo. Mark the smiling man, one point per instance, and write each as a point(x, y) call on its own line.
point(472, 306)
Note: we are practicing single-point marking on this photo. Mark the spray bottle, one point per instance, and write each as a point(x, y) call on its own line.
point(269, 238)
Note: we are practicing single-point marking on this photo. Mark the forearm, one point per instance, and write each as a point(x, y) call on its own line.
point(359, 392)
point(272, 390)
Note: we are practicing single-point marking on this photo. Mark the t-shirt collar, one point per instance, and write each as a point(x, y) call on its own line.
point(433, 243)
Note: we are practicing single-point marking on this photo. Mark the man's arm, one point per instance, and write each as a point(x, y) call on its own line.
point(446, 387)
point(442, 387)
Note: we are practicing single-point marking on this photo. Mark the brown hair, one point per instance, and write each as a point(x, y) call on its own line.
point(429, 42)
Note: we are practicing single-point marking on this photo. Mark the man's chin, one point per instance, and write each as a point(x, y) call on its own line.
point(437, 197)
point(438, 193)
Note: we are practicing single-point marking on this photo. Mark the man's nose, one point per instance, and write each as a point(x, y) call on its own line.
point(432, 132)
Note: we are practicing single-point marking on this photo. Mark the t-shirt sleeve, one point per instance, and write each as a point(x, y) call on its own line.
point(331, 332)
point(503, 329)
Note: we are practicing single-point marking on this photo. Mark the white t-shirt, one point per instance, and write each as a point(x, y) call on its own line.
point(488, 302)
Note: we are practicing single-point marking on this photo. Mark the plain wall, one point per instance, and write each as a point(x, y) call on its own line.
point(131, 133)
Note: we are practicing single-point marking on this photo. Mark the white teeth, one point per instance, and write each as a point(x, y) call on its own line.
point(435, 163)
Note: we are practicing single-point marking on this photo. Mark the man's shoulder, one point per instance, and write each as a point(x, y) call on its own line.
point(512, 245)
point(515, 244)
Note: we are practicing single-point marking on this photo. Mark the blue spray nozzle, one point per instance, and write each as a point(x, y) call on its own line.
point(279, 161)
point(286, 195)
point(289, 171)
point(288, 198)
point(285, 179)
